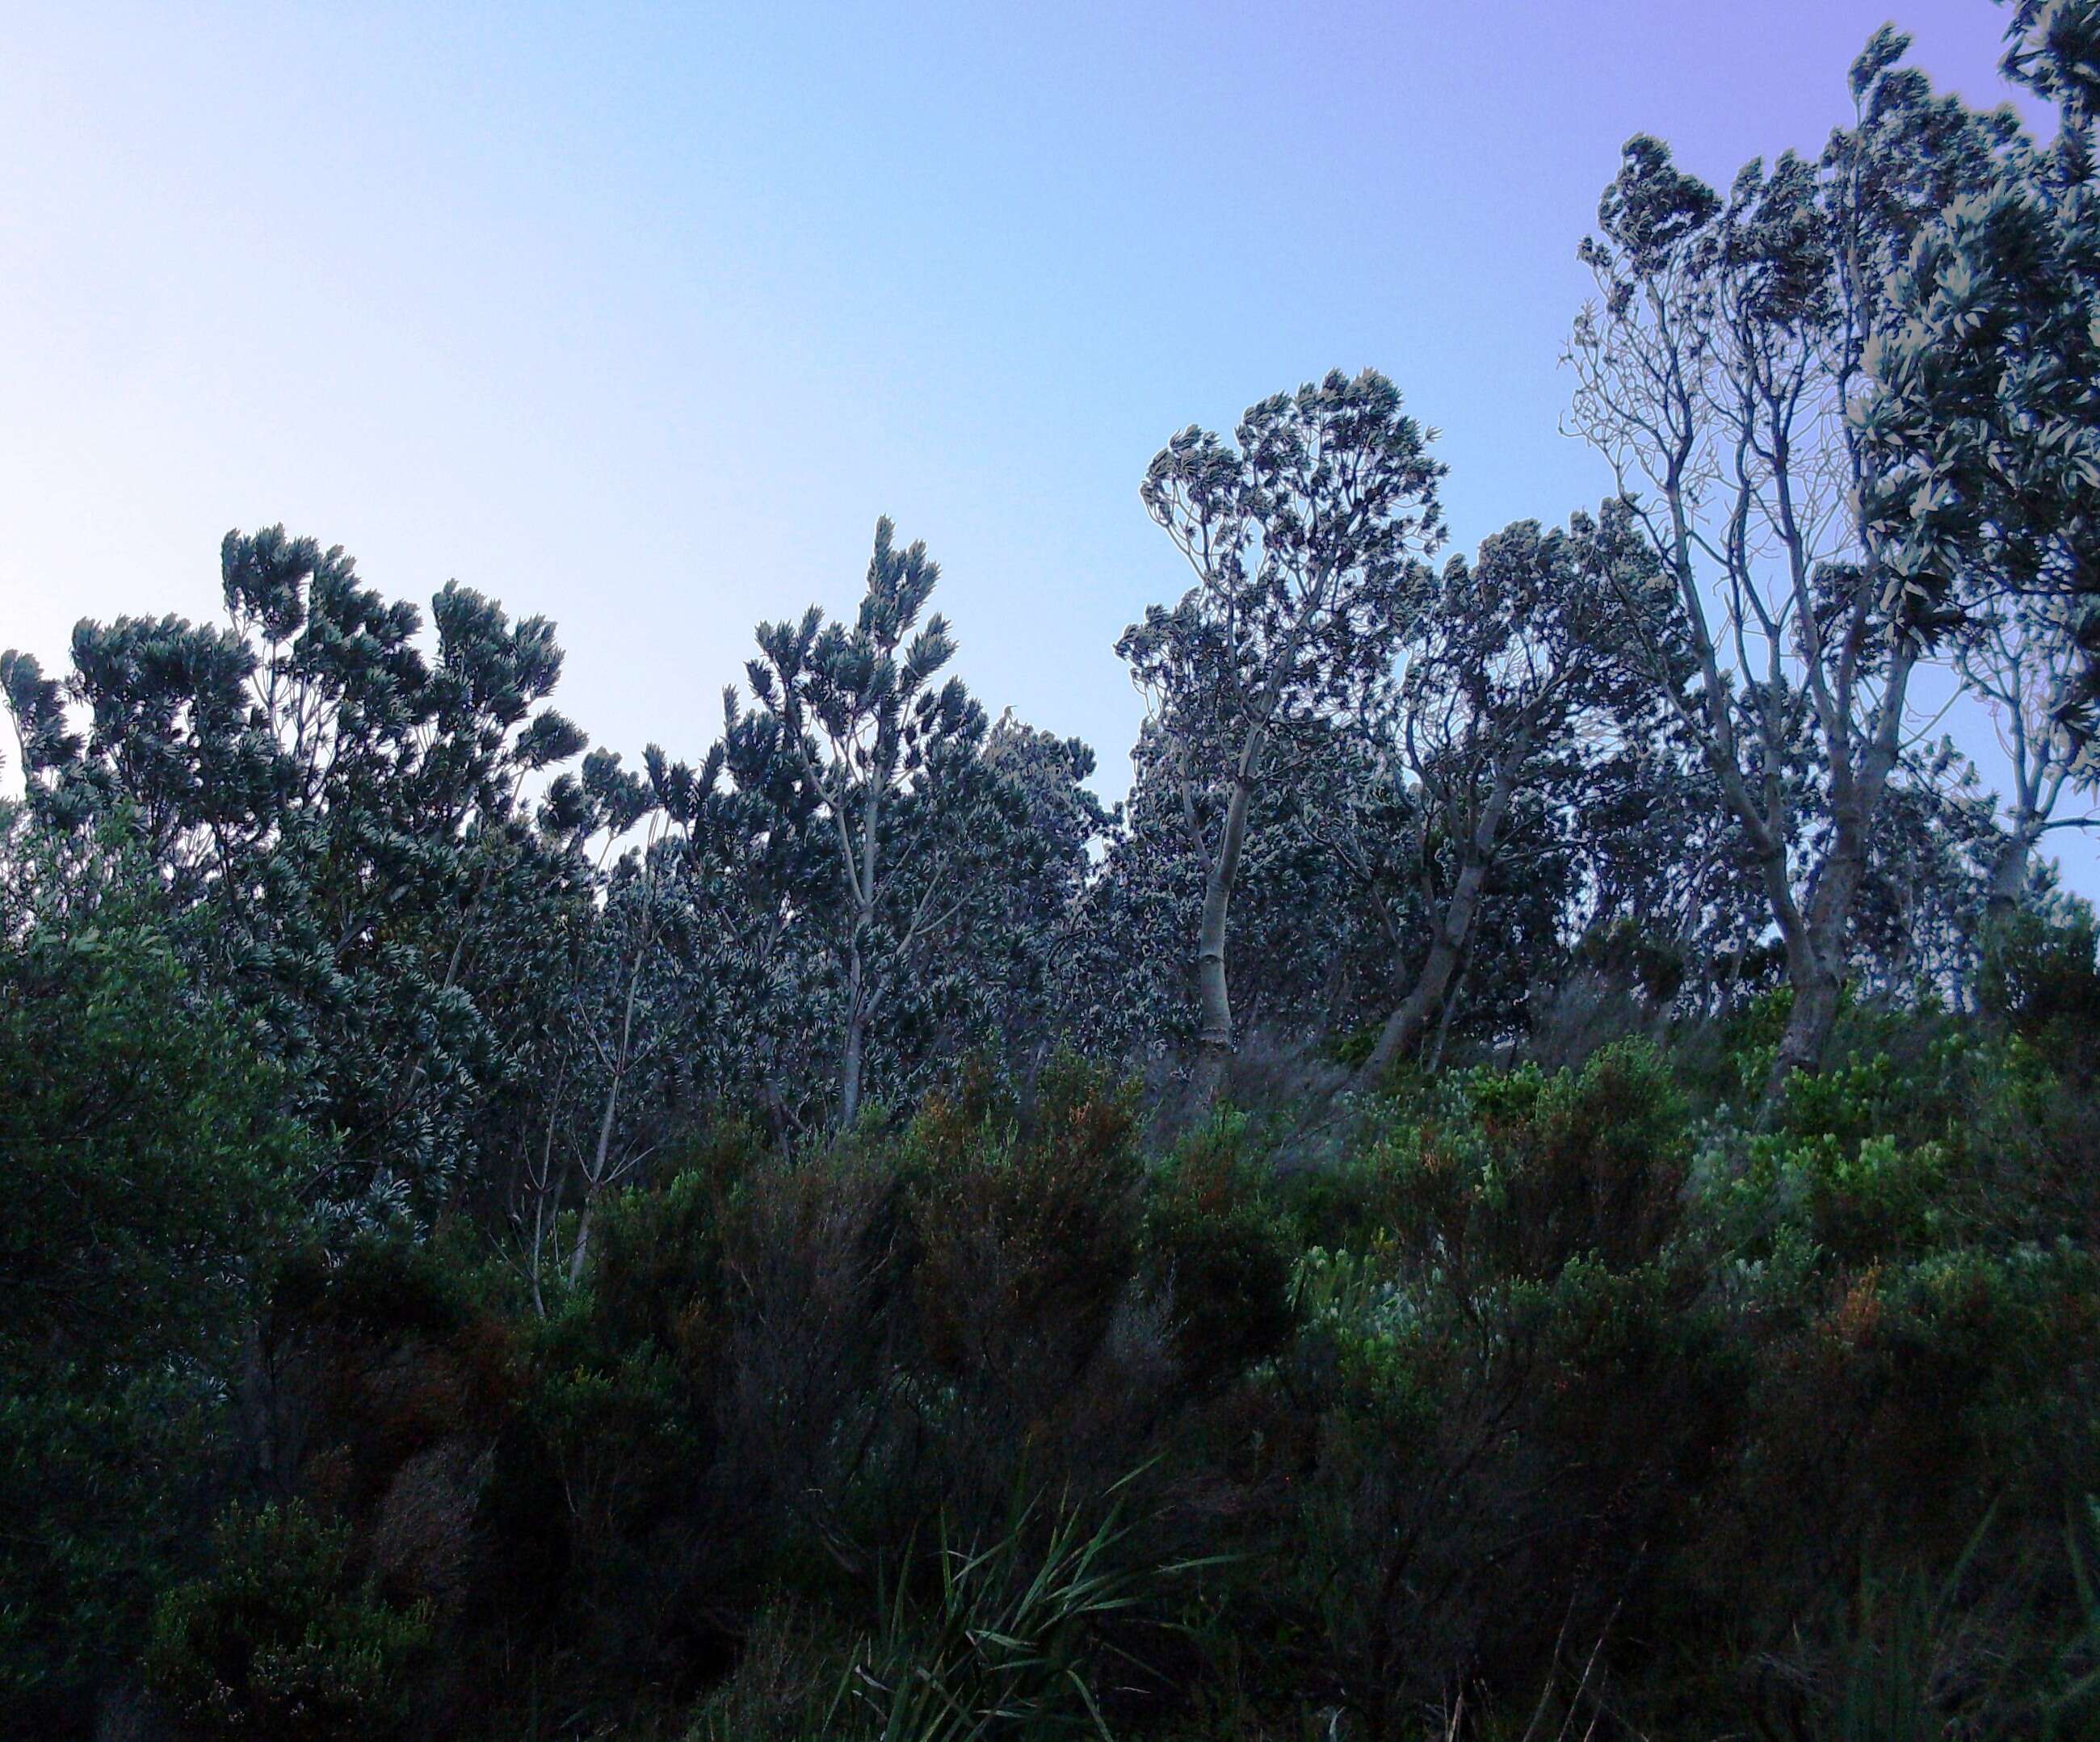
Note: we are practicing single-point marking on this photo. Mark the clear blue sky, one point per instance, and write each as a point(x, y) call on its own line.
point(638, 316)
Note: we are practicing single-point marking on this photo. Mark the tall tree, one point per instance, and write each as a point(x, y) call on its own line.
point(1305, 535)
point(1038, 896)
point(1514, 658)
point(1713, 371)
point(331, 812)
point(889, 766)
point(1983, 409)
point(2019, 654)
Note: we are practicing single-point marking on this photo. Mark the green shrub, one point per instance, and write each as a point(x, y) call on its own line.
point(1220, 1250)
point(1026, 1237)
point(150, 1169)
point(280, 1641)
point(2041, 977)
point(1518, 1174)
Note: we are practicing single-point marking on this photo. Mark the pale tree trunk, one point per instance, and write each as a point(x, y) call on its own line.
point(595, 1183)
point(1813, 939)
point(601, 1172)
point(2009, 877)
point(854, 1049)
point(1214, 1041)
point(1816, 946)
point(862, 878)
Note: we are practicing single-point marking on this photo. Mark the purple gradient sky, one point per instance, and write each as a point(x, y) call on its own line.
point(638, 316)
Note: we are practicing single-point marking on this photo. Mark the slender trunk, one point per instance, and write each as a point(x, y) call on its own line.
point(1451, 1003)
point(542, 1185)
point(1404, 1027)
point(1214, 1041)
point(1815, 954)
point(594, 1178)
point(581, 1251)
point(599, 1174)
point(855, 1045)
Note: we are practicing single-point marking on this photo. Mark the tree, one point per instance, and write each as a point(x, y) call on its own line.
point(1983, 404)
point(333, 815)
point(888, 766)
point(1983, 411)
point(1040, 893)
point(1714, 371)
point(2019, 655)
point(1510, 656)
point(612, 1044)
point(1305, 535)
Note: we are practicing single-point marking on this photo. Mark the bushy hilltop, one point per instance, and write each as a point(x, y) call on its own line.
point(1537, 1175)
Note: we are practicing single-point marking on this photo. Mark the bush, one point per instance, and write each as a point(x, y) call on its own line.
point(147, 1179)
point(1026, 1234)
point(2041, 978)
point(1220, 1252)
point(281, 1642)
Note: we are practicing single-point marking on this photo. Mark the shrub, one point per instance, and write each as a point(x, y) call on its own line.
point(2041, 978)
point(281, 1642)
point(150, 1166)
point(1519, 1175)
point(1026, 1238)
point(1219, 1251)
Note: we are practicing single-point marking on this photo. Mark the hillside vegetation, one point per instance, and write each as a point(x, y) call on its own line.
point(1537, 1178)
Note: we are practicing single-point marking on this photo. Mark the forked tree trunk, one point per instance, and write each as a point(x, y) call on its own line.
point(1815, 944)
point(1403, 1029)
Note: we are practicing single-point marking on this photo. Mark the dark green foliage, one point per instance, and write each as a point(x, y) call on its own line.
point(280, 1641)
point(1568, 1390)
point(1027, 1234)
point(2043, 980)
point(149, 1169)
point(1221, 1255)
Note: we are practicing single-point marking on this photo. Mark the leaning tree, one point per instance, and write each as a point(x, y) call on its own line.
point(1516, 672)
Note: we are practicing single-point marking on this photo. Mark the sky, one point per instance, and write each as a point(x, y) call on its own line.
point(638, 316)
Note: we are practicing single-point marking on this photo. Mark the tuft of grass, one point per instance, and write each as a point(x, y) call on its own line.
point(1013, 1638)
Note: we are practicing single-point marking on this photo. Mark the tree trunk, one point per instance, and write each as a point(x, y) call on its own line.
point(1407, 1023)
point(854, 1048)
point(2009, 877)
point(1808, 1025)
point(1815, 957)
point(1213, 1040)
point(1403, 1028)
point(581, 1252)
point(849, 1074)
